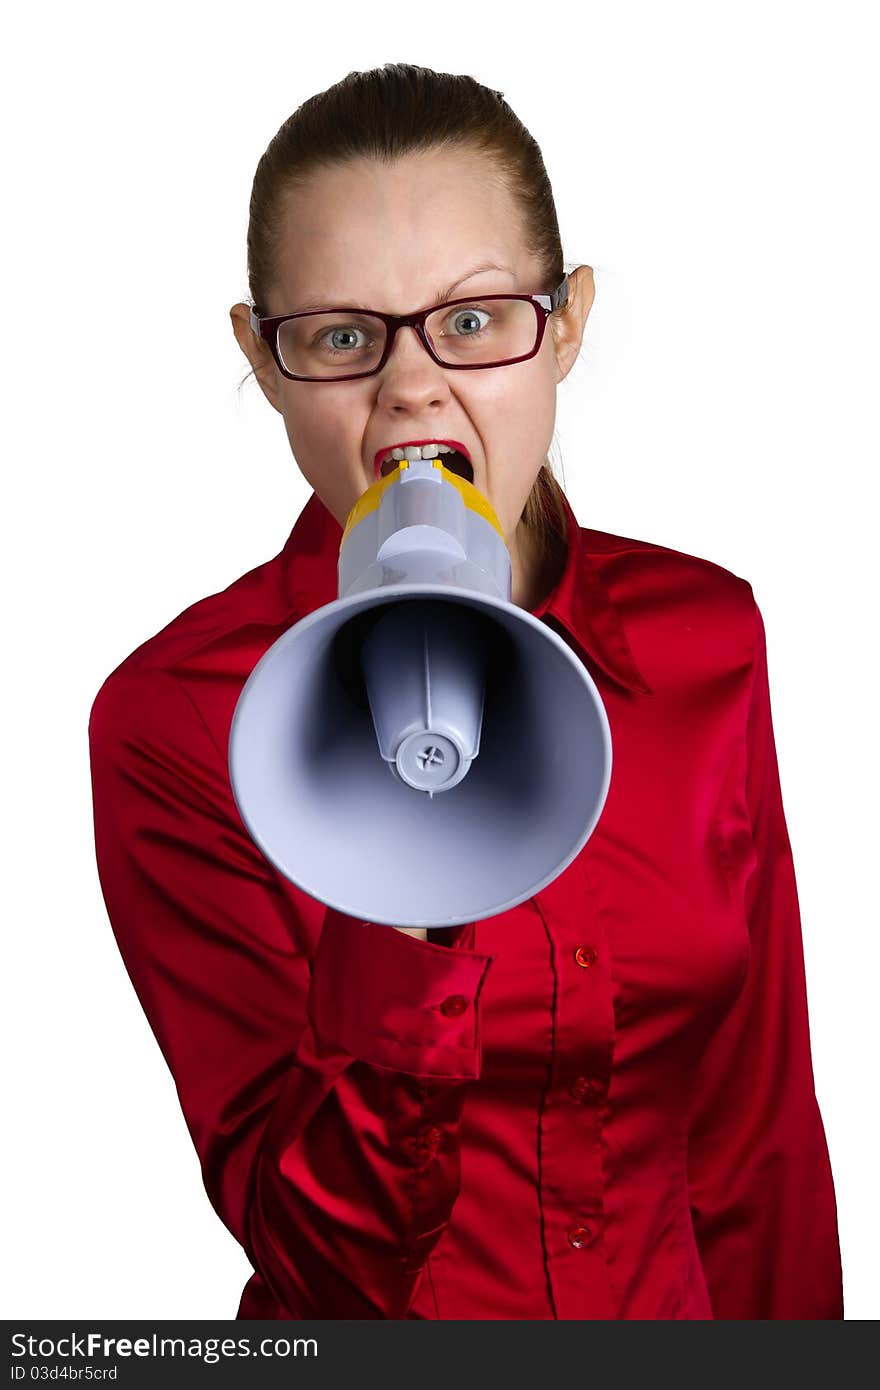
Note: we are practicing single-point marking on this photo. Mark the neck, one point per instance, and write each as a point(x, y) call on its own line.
point(533, 576)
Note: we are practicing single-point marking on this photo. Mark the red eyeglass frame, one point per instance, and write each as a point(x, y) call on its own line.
point(267, 330)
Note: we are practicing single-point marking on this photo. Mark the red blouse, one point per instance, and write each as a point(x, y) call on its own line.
point(599, 1104)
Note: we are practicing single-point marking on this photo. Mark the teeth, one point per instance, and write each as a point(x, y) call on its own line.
point(420, 451)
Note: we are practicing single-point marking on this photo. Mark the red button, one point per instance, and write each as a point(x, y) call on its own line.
point(455, 1004)
point(579, 1236)
point(435, 1135)
point(584, 1086)
point(585, 955)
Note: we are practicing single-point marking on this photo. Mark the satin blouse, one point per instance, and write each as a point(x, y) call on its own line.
point(599, 1104)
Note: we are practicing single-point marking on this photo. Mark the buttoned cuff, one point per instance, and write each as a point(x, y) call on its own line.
point(395, 1001)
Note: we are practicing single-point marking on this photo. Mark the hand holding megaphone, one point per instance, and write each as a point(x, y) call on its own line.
point(421, 750)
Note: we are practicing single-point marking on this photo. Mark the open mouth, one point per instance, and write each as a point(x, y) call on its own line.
point(455, 461)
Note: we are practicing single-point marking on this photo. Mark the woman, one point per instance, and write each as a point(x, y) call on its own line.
point(599, 1104)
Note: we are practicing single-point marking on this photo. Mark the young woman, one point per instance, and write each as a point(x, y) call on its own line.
point(601, 1103)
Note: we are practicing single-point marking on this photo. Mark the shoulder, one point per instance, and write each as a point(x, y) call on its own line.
point(662, 564)
point(197, 663)
point(686, 615)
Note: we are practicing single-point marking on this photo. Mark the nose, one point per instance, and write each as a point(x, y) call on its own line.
point(410, 376)
point(408, 346)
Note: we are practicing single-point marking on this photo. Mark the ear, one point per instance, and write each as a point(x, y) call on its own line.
point(257, 353)
point(568, 325)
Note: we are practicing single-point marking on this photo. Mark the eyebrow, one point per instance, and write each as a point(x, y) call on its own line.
point(440, 296)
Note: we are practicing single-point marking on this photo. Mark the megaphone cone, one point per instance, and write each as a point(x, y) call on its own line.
point(420, 752)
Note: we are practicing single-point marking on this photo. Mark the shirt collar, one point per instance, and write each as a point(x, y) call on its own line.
point(579, 602)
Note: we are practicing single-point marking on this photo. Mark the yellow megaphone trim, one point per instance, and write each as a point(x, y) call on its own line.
point(372, 498)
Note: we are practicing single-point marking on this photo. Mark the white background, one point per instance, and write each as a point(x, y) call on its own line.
point(716, 165)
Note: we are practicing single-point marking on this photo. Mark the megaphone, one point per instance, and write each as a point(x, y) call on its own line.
point(420, 752)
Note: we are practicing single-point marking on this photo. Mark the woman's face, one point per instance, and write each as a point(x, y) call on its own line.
point(392, 238)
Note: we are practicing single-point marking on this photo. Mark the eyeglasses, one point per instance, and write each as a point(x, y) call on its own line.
point(490, 330)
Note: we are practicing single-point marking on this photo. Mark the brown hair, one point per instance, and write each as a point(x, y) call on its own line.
point(389, 112)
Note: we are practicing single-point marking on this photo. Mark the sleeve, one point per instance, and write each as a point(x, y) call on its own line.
point(761, 1190)
point(324, 1096)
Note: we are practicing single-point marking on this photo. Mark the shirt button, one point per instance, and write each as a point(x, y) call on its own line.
point(579, 1236)
point(435, 1135)
point(584, 1086)
point(454, 1005)
point(585, 955)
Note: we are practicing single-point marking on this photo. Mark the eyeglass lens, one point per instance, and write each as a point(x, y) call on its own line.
point(479, 333)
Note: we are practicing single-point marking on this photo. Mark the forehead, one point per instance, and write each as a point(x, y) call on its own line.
point(390, 235)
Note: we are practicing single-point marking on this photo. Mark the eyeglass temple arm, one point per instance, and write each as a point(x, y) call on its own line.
point(560, 295)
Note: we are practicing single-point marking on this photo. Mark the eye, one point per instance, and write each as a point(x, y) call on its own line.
point(340, 338)
point(466, 321)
